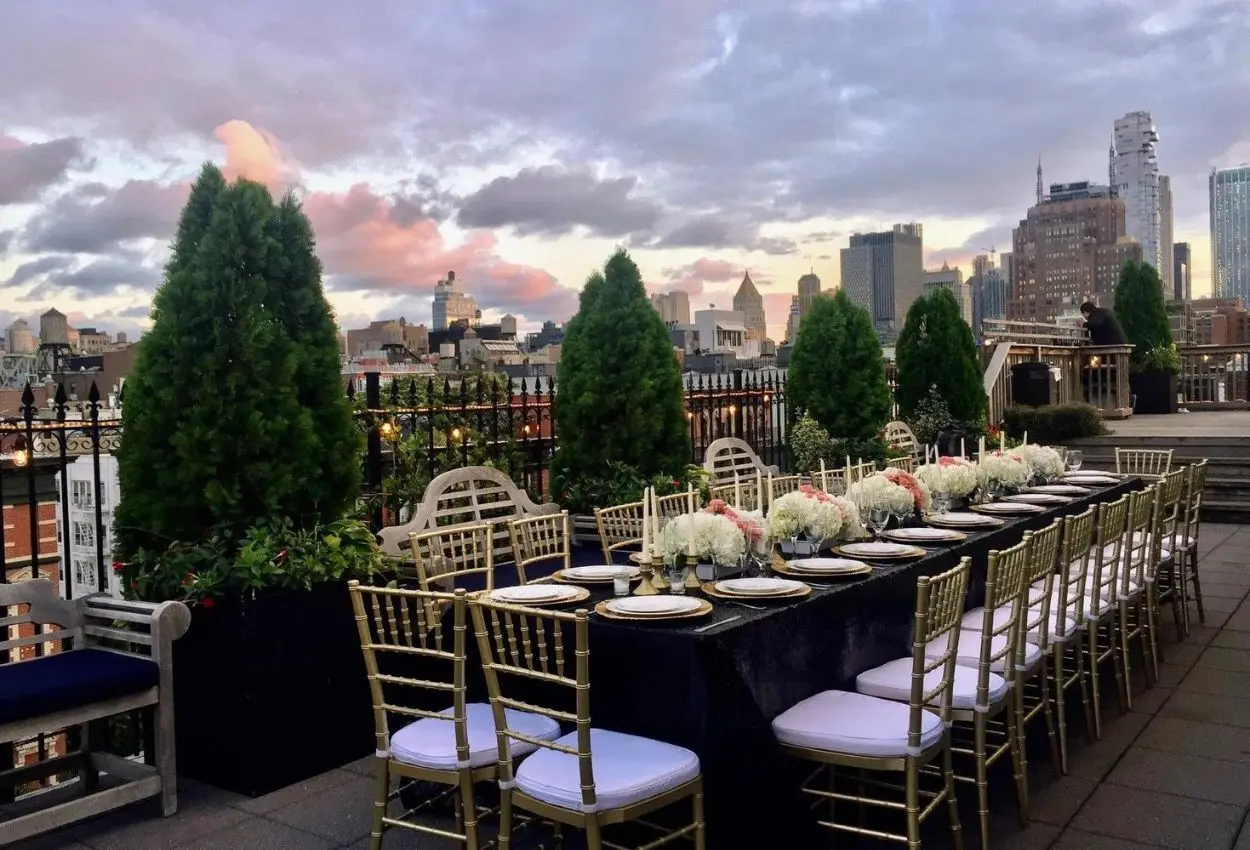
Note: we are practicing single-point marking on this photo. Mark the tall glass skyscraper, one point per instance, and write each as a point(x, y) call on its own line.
point(1230, 232)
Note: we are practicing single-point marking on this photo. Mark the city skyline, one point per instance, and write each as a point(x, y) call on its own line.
point(518, 144)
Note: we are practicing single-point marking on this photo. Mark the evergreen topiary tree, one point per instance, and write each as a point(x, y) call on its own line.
point(936, 350)
point(1141, 310)
point(620, 395)
point(229, 419)
point(837, 371)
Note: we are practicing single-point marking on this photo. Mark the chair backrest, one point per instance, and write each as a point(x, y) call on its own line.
point(446, 554)
point(1107, 553)
point(939, 607)
point(1075, 560)
point(781, 485)
point(541, 538)
point(1194, 497)
point(395, 625)
point(1004, 586)
point(620, 528)
point(1043, 553)
point(832, 481)
point(1137, 540)
point(862, 469)
point(728, 455)
point(518, 643)
point(744, 493)
point(469, 495)
point(1148, 463)
point(1168, 510)
point(907, 464)
point(33, 605)
point(898, 435)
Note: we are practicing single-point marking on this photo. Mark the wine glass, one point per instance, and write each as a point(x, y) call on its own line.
point(1074, 459)
point(878, 519)
point(990, 491)
point(941, 502)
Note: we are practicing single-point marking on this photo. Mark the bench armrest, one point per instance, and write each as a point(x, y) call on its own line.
point(154, 625)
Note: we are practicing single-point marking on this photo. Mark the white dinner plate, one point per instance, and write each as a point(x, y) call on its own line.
point(1090, 478)
point(881, 549)
point(925, 534)
point(600, 572)
point(653, 606)
point(533, 594)
point(1061, 490)
point(826, 566)
point(758, 586)
point(1011, 508)
point(1038, 499)
point(959, 519)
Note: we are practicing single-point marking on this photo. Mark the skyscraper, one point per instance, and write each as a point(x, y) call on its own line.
point(1181, 289)
point(1137, 182)
point(673, 307)
point(451, 305)
point(1229, 189)
point(749, 302)
point(1069, 248)
point(809, 290)
point(1165, 235)
point(953, 281)
point(884, 274)
point(792, 320)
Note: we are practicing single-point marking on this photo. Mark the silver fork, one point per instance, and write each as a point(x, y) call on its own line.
point(745, 605)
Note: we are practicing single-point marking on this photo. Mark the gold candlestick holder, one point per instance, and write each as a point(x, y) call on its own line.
point(646, 567)
point(692, 578)
point(658, 581)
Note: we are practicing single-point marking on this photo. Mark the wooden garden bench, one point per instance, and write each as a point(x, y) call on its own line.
point(728, 455)
point(102, 657)
point(470, 495)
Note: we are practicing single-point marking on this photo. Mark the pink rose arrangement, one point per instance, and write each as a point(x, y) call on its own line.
point(749, 525)
point(919, 492)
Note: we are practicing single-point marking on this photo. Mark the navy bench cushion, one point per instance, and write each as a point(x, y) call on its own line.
point(68, 680)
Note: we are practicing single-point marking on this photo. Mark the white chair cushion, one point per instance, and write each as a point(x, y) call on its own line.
point(969, 652)
point(432, 743)
point(854, 724)
point(627, 770)
point(1059, 627)
point(1175, 542)
point(893, 681)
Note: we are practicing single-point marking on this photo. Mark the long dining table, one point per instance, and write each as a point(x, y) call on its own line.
point(716, 690)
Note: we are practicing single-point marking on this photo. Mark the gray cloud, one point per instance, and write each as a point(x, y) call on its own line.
point(714, 230)
point(93, 219)
point(98, 277)
point(552, 201)
point(27, 170)
point(421, 198)
point(37, 268)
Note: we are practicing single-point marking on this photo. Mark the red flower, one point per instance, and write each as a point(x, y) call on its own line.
point(676, 483)
point(207, 603)
point(716, 506)
point(280, 558)
point(118, 566)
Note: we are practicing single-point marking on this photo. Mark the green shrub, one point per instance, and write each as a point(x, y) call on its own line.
point(809, 445)
point(620, 399)
point(937, 354)
point(1054, 424)
point(1141, 310)
point(837, 372)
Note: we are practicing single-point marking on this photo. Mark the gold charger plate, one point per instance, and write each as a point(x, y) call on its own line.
point(703, 610)
point(784, 569)
point(581, 595)
point(709, 589)
point(899, 535)
point(916, 552)
point(559, 578)
point(990, 522)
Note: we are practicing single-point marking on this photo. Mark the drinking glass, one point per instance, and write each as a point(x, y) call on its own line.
point(1074, 459)
point(878, 519)
point(941, 502)
point(760, 552)
point(677, 578)
point(990, 491)
point(815, 541)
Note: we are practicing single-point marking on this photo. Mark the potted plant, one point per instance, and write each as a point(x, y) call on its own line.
point(620, 407)
point(240, 471)
point(1155, 363)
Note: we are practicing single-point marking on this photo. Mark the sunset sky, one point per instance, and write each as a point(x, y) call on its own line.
point(518, 141)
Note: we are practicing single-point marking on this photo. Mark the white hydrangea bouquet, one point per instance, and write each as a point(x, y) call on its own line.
point(1045, 462)
point(878, 492)
point(953, 475)
point(717, 538)
point(1003, 469)
point(815, 514)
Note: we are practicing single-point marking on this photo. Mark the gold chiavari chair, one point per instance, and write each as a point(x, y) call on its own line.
point(1147, 463)
point(1167, 584)
point(1069, 626)
point(782, 485)
point(744, 494)
point(673, 505)
point(541, 538)
point(455, 747)
point(1185, 541)
point(861, 470)
point(1135, 569)
point(1100, 609)
point(620, 529)
point(571, 780)
point(874, 735)
point(446, 554)
point(832, 481)
point(907, 464)
point(983, 700)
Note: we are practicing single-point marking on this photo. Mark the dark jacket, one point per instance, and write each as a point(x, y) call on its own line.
point(1104, 328)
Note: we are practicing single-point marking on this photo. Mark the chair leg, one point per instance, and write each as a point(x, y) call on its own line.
point(1019, 757)
point(1093, 680)
point(1150, 639)
point(952, 805)
point(912, 802)
point(166, 755)
point(700, 832)
point(594, 833)
point(1117, 632)
point(982, 778)
point(468, 810)
point(1048, 714)
point(1176, 582)
point(1082, 678)
point(505, 818)
point(1061, 713)
point(1197, 582)
point(381, 793)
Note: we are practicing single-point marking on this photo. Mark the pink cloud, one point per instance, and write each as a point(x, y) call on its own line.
point(691, 277)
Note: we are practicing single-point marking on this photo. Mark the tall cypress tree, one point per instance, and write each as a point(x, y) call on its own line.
point(620, 396)
point(936, 349)
point(837, 370)
point(1140, 308)
point(215, 436)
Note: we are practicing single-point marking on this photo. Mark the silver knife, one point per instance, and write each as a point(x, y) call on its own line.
point(718, 623)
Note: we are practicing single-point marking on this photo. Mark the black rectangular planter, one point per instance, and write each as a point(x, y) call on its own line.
point(271, 691)
point(1155, 391)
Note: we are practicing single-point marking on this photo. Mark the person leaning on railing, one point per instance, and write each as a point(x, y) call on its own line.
point(1104, 328)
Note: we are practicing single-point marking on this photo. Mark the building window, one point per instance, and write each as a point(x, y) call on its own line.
point(80, 495)
point(84, 534)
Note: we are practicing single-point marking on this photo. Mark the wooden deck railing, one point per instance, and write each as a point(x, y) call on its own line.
point(1214, 377)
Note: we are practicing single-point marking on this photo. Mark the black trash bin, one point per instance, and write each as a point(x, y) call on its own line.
point(1030, 384)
